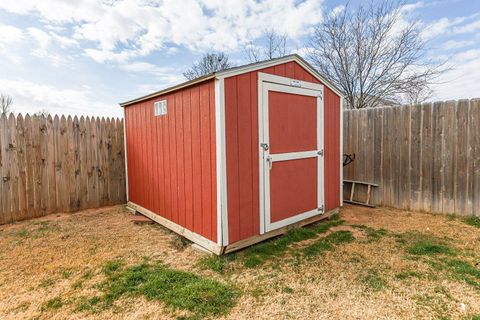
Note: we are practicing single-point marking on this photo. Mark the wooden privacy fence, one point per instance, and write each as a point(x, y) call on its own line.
point(424, 157)
point(59, 165)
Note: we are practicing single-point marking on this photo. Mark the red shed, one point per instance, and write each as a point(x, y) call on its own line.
point(237, 156)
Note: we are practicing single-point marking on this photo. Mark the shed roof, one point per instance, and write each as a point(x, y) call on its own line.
point(239, 70)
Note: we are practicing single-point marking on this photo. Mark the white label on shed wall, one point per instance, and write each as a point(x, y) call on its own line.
point(160, 108)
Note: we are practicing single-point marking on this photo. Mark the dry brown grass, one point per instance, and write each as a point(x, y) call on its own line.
point(61, 256)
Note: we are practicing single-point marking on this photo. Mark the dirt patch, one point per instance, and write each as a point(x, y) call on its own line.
point(49, 266)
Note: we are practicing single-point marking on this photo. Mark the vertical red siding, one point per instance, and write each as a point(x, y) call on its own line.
point(171, 158)
point(241, 122)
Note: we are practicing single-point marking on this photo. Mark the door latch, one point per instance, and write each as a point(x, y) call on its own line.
point(270, 162)
point(321, 208)
point(320, 153)
point(264, 146)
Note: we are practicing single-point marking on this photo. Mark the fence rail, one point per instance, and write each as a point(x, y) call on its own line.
point(59, 164)
point(424, 157)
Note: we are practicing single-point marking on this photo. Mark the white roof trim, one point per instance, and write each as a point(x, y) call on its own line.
point(271, 63)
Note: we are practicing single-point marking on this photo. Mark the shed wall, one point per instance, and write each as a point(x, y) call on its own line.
point(242, 151)
point(171, 158)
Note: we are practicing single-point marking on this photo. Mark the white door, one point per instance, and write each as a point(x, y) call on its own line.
point(291, 151)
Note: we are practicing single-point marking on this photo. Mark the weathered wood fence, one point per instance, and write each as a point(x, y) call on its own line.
point(59, 165)
point(424, 157)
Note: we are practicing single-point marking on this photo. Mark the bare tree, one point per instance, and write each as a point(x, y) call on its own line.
point(5, 103)
point(209, 63)
point(43, 113)
point(274, 46)
point(418, 95)
point(373, 54)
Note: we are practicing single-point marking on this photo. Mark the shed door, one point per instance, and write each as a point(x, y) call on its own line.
point(291, 152)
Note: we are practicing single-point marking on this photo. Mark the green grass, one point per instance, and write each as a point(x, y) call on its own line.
point(463, 271)
point(325, 226)
point(420, 244)
point(219, 264)
point(328, 243)
point(260, 253)
point(372, 234)
point(408, 274)
point(52, 304)
point(473, 221)
point(287, 290)
point(430, 248)
point(177, 289)
point(21, 233)
point(111, 267)
point(47, 282)
point(372, 279)
point(473, 317)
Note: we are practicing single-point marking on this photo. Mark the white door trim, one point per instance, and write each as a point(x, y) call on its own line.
point(293, 155)
point(266, 83)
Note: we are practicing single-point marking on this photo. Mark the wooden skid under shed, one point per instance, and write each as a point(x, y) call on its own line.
point(214, 247)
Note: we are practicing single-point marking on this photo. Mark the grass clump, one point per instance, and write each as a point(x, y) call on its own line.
point(463, 271)
point(258, 254)
point(219, 264)
point(328, 243)
point(287, 290)
point(177, 289)
point(372, 234)
point(473, 221)
point(47, 282)
point(408, 274)
point(420, 244)
point(324, 227)
point(430, 248)
point(373, 280)
point(52, 304)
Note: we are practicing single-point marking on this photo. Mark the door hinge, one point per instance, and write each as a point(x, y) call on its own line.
point(320, 153)
point(320, 95)
point(321, 208)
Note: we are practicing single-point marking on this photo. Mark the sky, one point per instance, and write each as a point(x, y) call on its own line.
point(83, 57)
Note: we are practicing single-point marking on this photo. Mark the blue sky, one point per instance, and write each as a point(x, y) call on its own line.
point(83, 57)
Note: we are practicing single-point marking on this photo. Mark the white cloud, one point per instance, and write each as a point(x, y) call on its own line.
point(471, 27)
point(123, 30)
point(30, 96)
point(165, 76)
point(461, 81)
point(446, 26)
point(10, 34)
point(457, 44)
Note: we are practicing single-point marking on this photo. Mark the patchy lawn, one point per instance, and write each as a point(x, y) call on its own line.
point(364, 264)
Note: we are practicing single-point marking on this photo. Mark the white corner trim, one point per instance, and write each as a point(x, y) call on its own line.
point(341, 151)
point(125, 151)
point(221, 160)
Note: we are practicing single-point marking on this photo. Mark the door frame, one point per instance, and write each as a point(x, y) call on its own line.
point(266, 83)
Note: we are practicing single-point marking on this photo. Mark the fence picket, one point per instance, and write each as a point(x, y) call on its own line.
point(425, 157)
point(53, 165)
